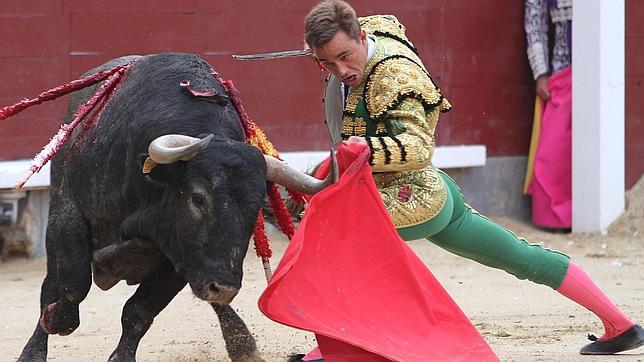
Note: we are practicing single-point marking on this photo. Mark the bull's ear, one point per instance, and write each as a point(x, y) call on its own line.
point(147, 165)
point(142, 159)
point(159, 174)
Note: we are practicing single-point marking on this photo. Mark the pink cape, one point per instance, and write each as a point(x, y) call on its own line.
point(348, 277)
point(551, 186)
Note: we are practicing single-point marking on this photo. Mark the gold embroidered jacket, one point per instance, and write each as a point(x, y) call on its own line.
point(396, 109)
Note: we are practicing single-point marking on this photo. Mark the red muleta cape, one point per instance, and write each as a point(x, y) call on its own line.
point(348, 277)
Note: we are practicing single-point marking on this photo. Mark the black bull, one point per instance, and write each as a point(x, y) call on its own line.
point(187, 221)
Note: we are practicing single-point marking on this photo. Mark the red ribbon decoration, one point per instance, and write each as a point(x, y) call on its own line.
point(256, 137)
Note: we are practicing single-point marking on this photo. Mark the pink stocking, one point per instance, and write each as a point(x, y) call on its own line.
point(578, 287)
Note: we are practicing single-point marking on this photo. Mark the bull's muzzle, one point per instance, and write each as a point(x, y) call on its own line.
point(214, 292)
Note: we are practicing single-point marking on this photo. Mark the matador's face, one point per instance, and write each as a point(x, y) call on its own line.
point(345, 57)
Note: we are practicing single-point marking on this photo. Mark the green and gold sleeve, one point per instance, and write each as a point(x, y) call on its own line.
point(410, 145)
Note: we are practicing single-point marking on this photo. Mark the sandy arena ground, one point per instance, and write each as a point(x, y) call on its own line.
point(520, 320)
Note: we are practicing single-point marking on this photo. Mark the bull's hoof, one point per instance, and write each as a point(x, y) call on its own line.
point(58, 319)
point(122, 357)
point(630, 339)
point(29, 356)
point(31, 359)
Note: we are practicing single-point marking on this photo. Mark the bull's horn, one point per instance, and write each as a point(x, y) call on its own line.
point(175, 147)
point(281, 173)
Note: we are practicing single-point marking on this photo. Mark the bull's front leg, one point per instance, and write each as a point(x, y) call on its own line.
point(67, 282)
point(240, 343)
point(152, 295)
point(36, 347)
point(69, 231)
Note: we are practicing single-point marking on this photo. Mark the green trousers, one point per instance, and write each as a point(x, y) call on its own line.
point(461, 230)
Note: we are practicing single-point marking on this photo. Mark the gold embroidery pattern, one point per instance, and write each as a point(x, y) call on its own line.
point(346, 125)
point(428, 195)
point(352, 100)
point(419, 153)
point(395, 151)
point(432, 119)
point(415, 196)
point(351, 127)
point(394, 47)
point(415, 120)
point(417, 156)
point(394, 77)
point(445, 105)
point(354, 126)
point(384, 23)
point(377, 151)
point(386, 47)
point(380, 152)
point(414, 133)
point(381, 130)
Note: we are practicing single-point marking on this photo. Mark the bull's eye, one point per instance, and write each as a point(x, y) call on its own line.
point(199, 200)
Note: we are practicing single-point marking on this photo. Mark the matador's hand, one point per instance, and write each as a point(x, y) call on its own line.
point(355, 139)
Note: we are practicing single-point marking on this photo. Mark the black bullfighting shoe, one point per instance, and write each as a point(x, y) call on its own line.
point(630, 339)
point(298, 358)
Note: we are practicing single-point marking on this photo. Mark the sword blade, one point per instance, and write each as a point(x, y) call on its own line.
point(273, 55)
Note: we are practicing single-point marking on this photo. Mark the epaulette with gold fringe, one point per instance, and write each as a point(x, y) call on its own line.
point(386, 25)
point(396, 77)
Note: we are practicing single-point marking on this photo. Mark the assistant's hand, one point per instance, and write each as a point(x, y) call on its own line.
point(542, 87)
